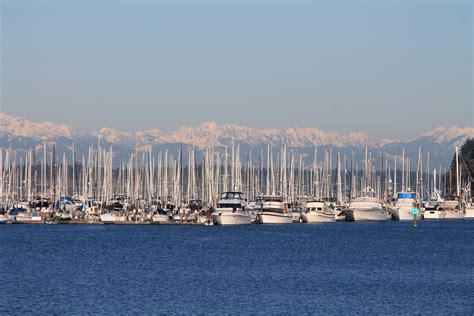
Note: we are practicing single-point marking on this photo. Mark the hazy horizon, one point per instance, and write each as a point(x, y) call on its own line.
point(392, 70)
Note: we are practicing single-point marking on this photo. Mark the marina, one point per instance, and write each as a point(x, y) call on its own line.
point(236, 158)
point(222, 190)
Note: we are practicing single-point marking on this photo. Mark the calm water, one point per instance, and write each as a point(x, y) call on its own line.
point(334, 268)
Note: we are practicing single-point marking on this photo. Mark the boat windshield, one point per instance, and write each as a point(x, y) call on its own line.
point(232, 195)
point(273, 199)
point(228, 205)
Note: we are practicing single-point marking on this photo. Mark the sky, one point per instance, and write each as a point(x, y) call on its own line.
point(392, 69)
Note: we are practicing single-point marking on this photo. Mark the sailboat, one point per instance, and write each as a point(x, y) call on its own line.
point(469, 206)
point(115, 212)
point(469, 210)
point(366, 207)
point(432, 207)
point(453, 205)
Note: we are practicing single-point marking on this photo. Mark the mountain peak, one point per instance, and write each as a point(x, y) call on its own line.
point(446, 134)
point(212, 133)
point(21, 133)
point(20, 127)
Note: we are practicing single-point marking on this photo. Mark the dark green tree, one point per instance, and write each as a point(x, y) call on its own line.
point(466, 163)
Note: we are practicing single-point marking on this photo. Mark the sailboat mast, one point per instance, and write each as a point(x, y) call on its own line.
point(403, 170)
point(339, 184)
point(458, 178)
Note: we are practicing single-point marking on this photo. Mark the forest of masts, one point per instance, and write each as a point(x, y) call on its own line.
point(145, 177)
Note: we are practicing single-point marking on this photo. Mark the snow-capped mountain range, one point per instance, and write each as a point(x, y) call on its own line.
point(19, 133)
point(202, 136)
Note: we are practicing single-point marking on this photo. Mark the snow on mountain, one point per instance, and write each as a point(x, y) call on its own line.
point(446, 134)
point(304, 137)
point(151, 134)
point(213, 134)
point(20, 133)
point(20, 127)
point(112, 135)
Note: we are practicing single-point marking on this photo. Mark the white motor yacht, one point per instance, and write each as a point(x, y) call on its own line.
point(231, 210)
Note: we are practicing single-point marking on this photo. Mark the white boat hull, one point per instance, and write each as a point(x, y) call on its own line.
point(112, 219)
point(228, 218)
point(469, 212)
point(184, 218)
point(434, 214)
point(454, 215)
point(318, 217)
point(160, 218)
point(28, 219)
point(404, 214)
point(274, 218)
point(370, 215)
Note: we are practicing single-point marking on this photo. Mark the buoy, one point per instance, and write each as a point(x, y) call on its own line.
point(415, 212)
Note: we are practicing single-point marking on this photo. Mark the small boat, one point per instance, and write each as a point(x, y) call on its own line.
point(273, 210)
point(251, 208)
point(432, 207)
point(62, 217)
point(116, 209)
point(24, 215)
point(112, 218)
point(431, 204)
point(184, 214)
point(161, 217)
point(297, 215)
point(297, 210)
point(316, 211)
point(453, 207)
point(402, 210)
point(366, 208)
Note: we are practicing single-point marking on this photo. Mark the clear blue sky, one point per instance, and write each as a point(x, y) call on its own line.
point(392, 69)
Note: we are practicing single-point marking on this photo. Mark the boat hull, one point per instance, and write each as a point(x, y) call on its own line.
point(318, 217)
point(469, 212)
point(403, 214)
point(274, 218)
point(28, 219)
point(112, 219)
point(160, 218)
point(455, 215)
point(369, 215)
point(434, 214)
point(232, 219)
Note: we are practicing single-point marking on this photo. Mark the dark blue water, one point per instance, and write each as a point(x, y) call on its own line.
point(334, 268)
